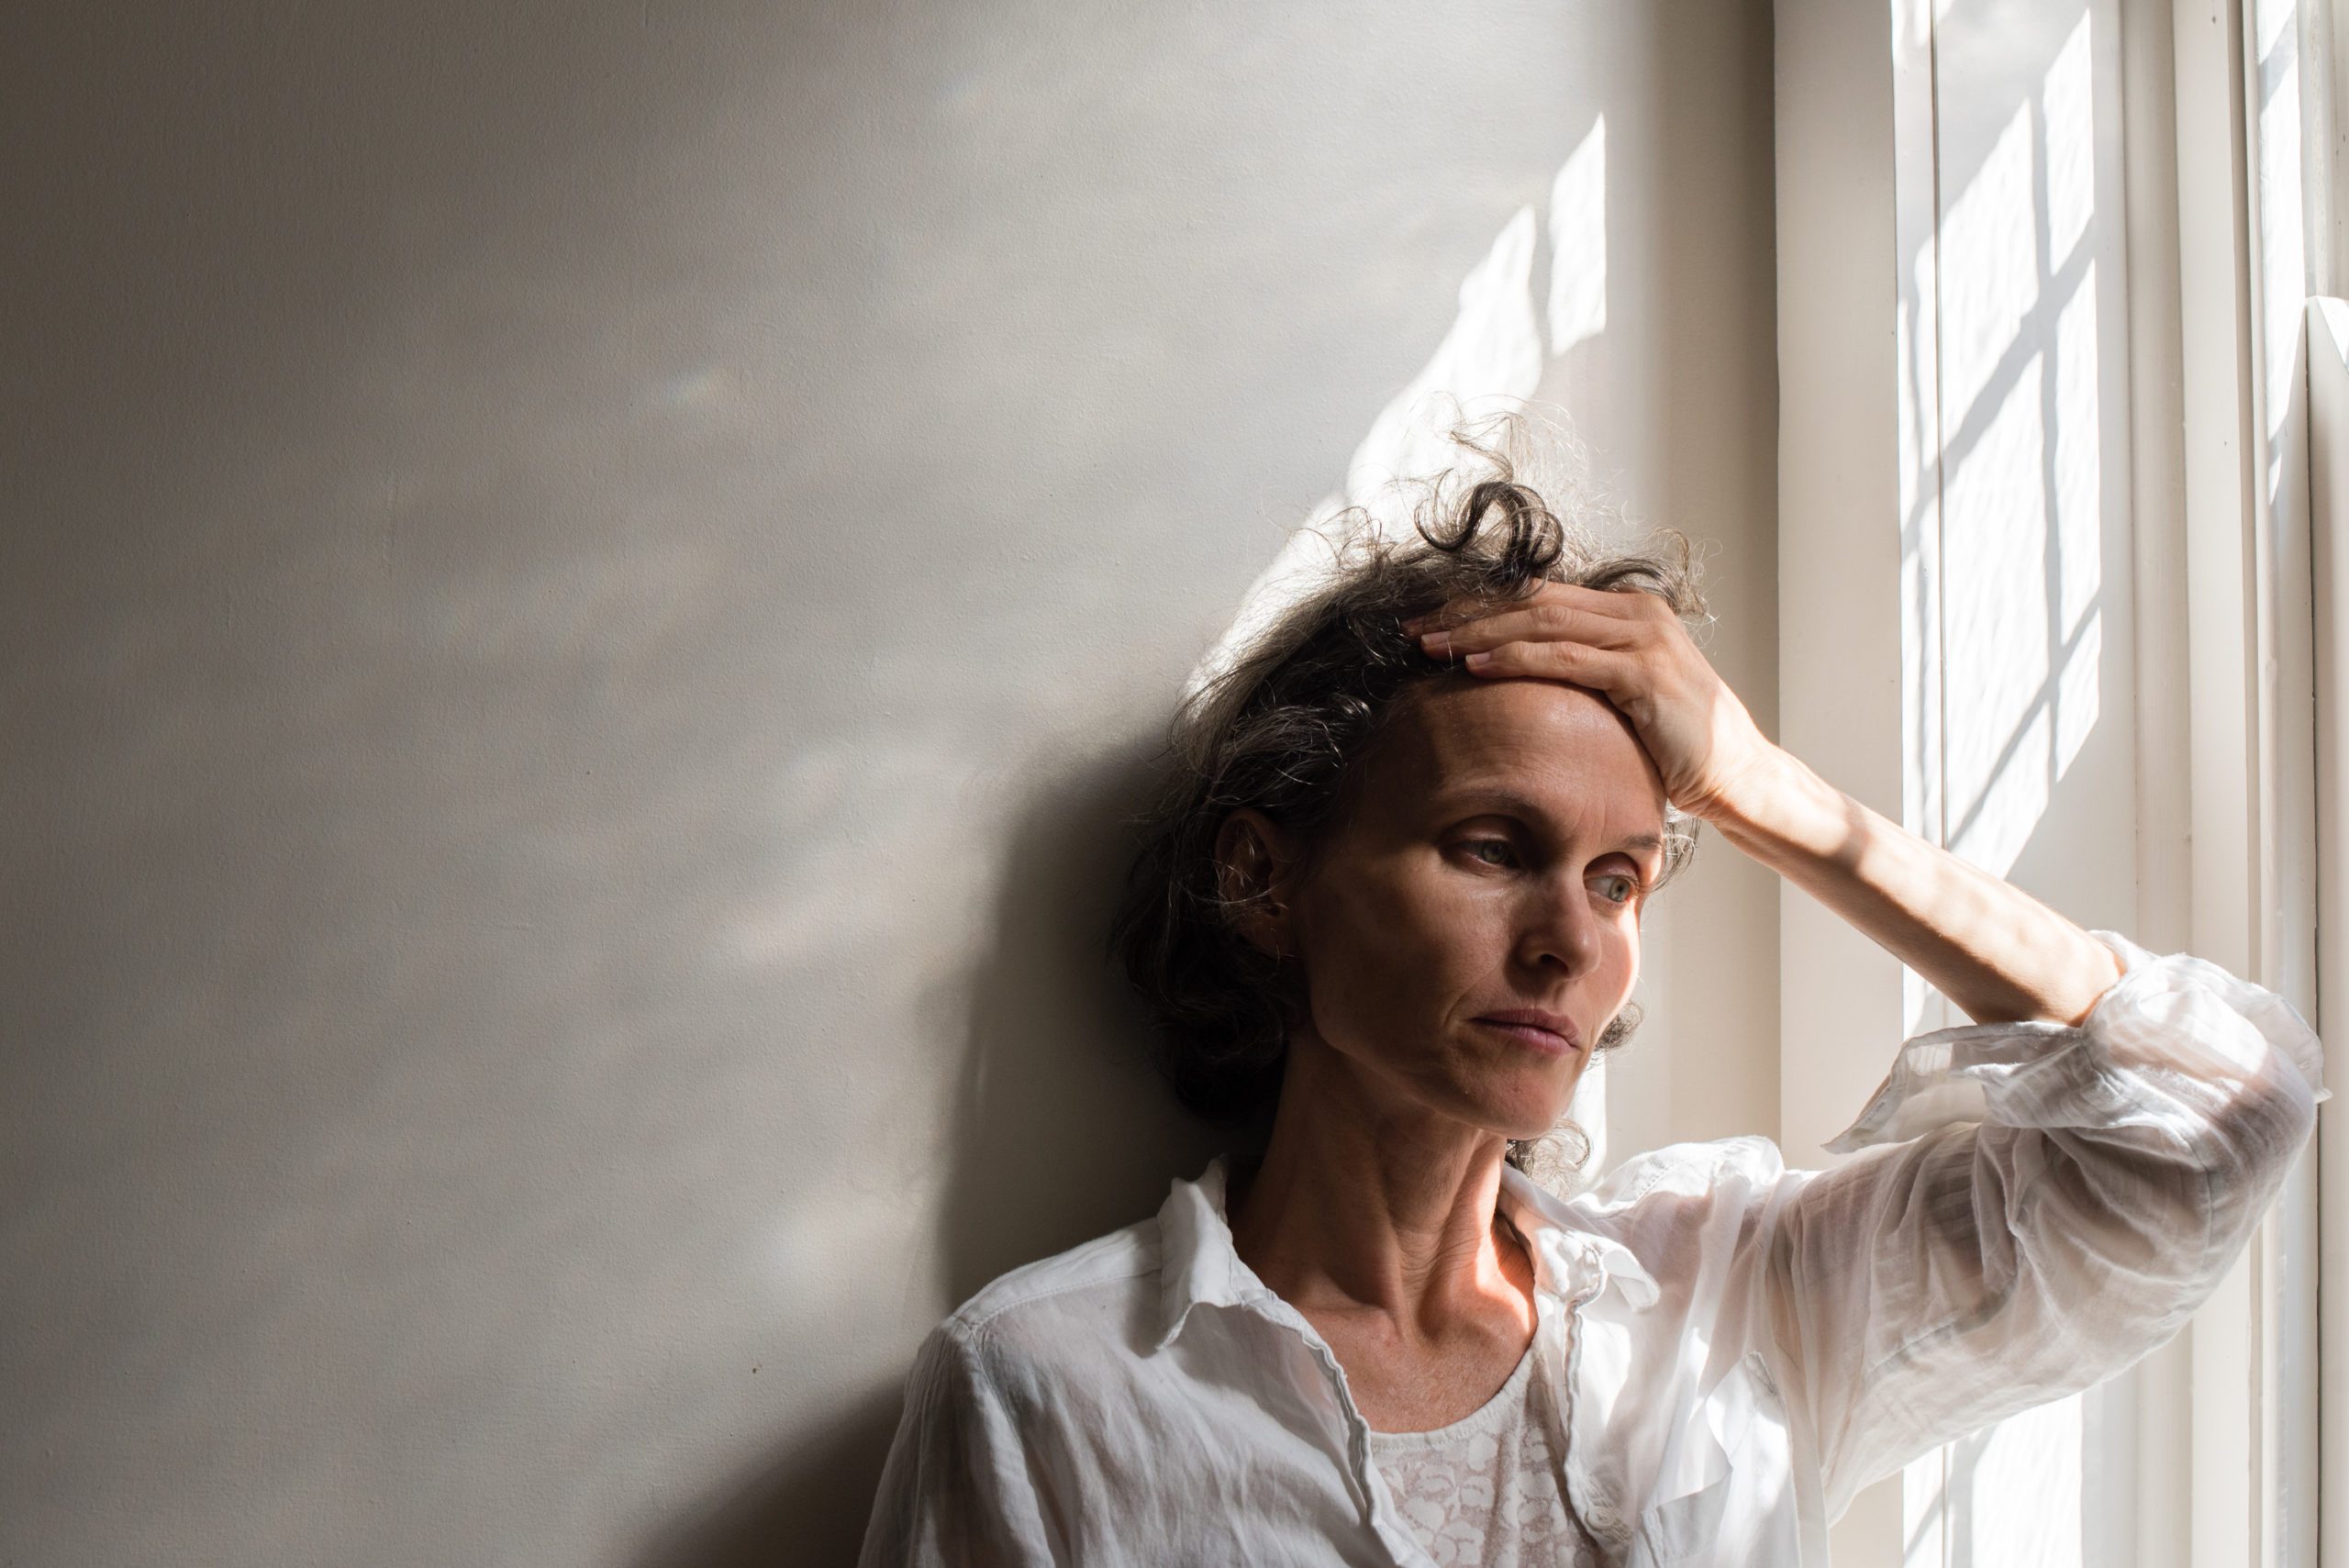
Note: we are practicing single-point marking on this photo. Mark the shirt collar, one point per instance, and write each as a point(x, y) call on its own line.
point(1568, 1245)
point(1199, 1264)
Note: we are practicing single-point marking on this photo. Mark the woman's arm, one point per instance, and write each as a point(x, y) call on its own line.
point(1991, 948)
point(2030, 1207)
point(2039, 1198)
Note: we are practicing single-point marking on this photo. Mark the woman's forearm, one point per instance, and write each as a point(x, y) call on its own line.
point(1993, 950)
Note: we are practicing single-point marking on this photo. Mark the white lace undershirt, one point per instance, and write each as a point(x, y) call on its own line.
point(1483, 1491)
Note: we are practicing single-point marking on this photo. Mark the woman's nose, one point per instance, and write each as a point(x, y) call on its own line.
point(1562, 931)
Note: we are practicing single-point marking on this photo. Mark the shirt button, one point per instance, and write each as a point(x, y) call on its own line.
point(1604, 1517)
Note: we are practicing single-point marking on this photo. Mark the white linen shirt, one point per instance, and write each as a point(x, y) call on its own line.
point(2033, 1208)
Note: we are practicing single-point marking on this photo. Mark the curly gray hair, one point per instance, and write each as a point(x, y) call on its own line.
point(1282, 728)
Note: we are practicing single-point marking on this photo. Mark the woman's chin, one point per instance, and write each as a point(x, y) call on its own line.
point(1522, 1122)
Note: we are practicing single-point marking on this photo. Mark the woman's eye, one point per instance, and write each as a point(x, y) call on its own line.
point(1621, 889)
point(1477, 847)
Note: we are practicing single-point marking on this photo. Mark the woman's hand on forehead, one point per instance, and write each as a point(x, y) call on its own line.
point(1631, 648)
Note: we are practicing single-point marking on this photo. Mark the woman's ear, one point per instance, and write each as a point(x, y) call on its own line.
point(1253, 856)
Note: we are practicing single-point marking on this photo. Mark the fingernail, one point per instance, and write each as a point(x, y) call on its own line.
point(1477, 660)
point(1437, 644)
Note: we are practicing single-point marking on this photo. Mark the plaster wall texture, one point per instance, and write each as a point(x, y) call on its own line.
point(583, 589)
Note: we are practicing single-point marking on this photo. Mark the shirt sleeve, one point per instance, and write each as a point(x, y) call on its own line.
point(956, 1490)
point(2034, 1207)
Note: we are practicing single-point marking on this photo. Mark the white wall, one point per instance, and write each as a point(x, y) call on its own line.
point(581, 588)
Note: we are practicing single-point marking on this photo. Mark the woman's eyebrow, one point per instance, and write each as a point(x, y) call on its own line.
point(1511, 801)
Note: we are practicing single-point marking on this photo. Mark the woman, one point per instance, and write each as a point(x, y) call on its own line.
point(1388, 910)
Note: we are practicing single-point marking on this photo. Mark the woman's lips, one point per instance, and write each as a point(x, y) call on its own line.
point(1544, 1041)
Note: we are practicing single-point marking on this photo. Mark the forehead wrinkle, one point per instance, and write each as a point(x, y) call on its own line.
point(1478, 738)
point(1531, 765)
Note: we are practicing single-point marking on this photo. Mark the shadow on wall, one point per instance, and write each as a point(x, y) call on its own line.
point(798, 1508)
point(1059, 1131)
point(1052, 1144)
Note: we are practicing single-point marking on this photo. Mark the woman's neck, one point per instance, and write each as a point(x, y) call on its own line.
point(1360, 1211)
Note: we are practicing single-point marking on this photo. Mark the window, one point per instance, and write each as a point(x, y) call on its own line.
point(2058, 258)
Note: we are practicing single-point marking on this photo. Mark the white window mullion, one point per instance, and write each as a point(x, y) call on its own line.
point(2328, 407)
point(2250, 667)
point(2278, 70)
point(2228, 1455)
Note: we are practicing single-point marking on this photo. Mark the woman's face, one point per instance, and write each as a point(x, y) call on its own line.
point(1495, 861)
